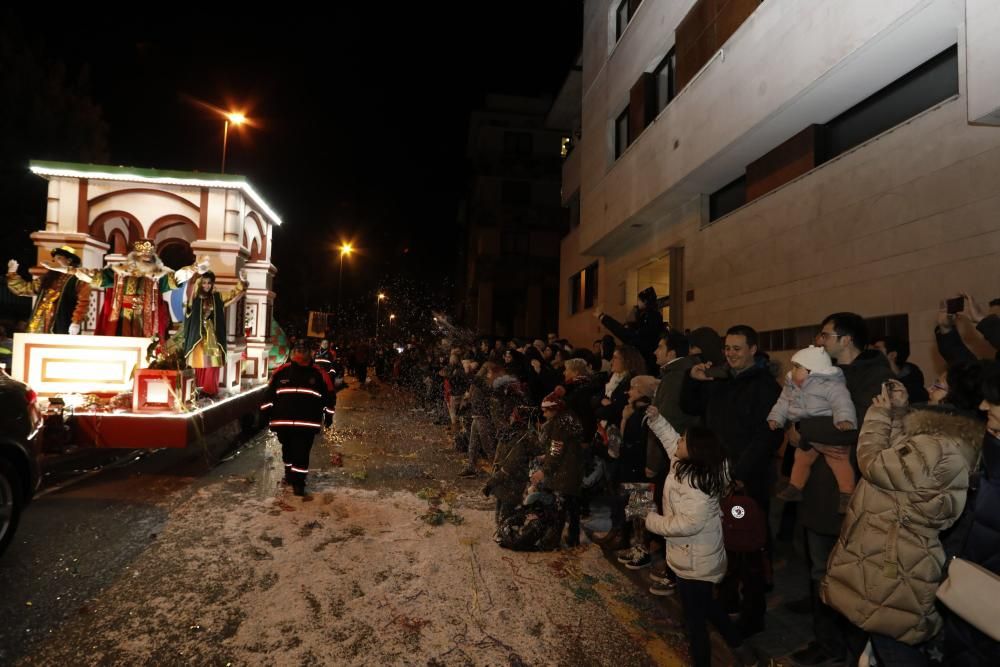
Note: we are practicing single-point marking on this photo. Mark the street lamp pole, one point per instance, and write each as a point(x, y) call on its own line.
point(235, 119)
point(378, 302)
point(345, 249)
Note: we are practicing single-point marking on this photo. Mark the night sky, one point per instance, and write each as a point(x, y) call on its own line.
point(362, 114)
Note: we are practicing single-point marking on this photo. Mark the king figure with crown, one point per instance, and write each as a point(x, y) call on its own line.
point(135, 306)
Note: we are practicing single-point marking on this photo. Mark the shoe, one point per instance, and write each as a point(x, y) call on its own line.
point(800, 606)
point(299, 489)
point(663, 588)
point(790, 494)
point(468, 473)
point(626, 555)
point(845, 500)
point(659, 573)
point(642, 559)
point(814, 655)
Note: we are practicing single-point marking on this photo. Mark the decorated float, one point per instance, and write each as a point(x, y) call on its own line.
point(109, 355)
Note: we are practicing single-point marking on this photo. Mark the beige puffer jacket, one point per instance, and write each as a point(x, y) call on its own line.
point(885, 569)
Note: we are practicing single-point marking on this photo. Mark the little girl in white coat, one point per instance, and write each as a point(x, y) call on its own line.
point(692, 525)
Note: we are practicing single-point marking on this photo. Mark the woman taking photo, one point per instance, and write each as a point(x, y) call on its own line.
point(915, 463)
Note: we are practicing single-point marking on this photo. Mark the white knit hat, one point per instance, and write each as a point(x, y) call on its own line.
point(813, 359)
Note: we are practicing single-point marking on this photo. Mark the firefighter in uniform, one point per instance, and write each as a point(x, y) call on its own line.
point(298, 398)
point(326, 359)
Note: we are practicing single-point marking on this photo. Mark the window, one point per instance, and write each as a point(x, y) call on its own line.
point(517, 143)
point(622, 15)
point(665, 80)
point(516, 193)
point(932, 82)
point(583, 289)
point(727, 199)
point(575, 293)
point(621, 133)
point(796, 338)
point(590, 286)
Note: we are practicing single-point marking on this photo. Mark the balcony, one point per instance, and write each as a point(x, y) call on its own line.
point(791, 64)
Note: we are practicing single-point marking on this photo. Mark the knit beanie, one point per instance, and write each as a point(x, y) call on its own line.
point(813, 359)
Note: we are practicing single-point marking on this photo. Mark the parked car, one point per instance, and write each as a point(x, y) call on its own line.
point(19, 454)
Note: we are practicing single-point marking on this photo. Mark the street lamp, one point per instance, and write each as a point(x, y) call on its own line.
point(235, 119)
point(345, 249)
point(378, 302)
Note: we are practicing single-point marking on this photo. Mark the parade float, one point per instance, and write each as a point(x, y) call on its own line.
point(117, 384)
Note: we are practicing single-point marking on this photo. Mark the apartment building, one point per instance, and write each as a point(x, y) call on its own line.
point(769, 163)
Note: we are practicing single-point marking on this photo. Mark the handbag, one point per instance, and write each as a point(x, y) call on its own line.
point(641, 499)
point(744, 526)
point(973, 593)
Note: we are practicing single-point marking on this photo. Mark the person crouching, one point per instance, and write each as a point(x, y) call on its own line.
point(562, 463)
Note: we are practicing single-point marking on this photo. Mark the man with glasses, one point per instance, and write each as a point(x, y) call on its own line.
point(844, 336)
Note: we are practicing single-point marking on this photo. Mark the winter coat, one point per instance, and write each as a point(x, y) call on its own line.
point(820, 497)
point(612, 413)
point(582, 397)
point(691, 520)
point(823, 394)
point(954, 350)
point(510, 465)
point(736, 410)
point(297, 398)
point(632, 456)
point(667, 400)
point(643, 334)
point(506, 393)
point(965, 645)
point(887, 564)
point(562, 462)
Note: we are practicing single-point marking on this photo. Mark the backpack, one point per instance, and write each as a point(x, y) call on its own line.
point(533, 527)
point(744, 526)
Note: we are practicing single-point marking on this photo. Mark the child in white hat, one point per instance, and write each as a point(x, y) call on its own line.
point(816, 388)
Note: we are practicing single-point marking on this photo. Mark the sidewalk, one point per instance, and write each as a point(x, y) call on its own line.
point(785, 632)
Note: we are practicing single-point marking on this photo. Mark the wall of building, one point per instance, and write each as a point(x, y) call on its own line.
point(890, 227)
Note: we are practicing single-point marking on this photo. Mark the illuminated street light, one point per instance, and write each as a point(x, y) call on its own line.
point(345, 250)
point(236, 119)
point(378, 302)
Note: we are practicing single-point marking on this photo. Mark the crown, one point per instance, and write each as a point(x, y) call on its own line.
point(143, 246)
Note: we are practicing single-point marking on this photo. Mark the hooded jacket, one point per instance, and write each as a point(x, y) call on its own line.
point(691, 520)
point(888, 562)
point(823, 394)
